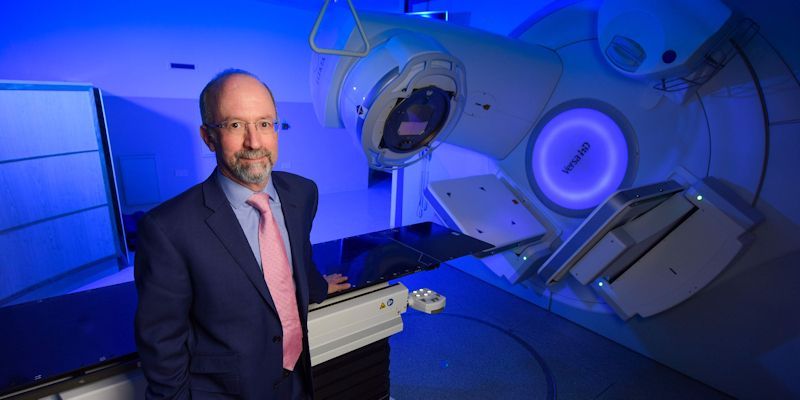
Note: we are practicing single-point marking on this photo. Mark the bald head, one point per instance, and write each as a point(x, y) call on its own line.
point(210, 94)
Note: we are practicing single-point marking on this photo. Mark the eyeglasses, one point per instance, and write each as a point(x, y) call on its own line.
point(240, 127)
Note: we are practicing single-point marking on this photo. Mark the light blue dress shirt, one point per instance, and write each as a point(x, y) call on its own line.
point(249, 216)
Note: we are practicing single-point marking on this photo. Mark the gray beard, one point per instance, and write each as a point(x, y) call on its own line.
point(252, 173)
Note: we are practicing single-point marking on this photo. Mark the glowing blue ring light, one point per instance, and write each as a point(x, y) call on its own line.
point(579, 158)
point(580, 153)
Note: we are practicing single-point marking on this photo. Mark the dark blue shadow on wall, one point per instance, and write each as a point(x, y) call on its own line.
point(157, 148)
point(377, 177)
point(130, 223)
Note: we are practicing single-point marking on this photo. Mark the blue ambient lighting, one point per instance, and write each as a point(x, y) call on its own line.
point(440, 15)
point(579, 158)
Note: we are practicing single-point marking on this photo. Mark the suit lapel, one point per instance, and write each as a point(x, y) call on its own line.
point(226, 227)
point(292, 215)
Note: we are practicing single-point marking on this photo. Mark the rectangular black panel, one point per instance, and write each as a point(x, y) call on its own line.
point(380, 256)
point(59, 336)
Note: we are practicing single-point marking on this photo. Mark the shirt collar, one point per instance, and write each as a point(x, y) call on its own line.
point(237, 194)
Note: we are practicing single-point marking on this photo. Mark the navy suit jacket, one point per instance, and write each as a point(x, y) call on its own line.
point(206, 325)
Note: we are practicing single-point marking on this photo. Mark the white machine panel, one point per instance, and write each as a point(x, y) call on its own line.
point(484, 207)
point(489, 208)
point(648, 249)
point(625, 244)
point(687, 259)
point(345, 323)
point(620, 208)
point(658, 39)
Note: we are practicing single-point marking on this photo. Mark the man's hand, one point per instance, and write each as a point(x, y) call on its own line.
point(336, 282)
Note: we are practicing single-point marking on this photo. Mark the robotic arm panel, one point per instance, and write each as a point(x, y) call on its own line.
point(622, 207)
point(489, 208)
point(657, 247)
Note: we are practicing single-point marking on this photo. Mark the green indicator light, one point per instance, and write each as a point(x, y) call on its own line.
point(525, 258)
point(699, 197)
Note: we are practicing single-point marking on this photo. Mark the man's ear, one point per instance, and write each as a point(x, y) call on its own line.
point(208, 138)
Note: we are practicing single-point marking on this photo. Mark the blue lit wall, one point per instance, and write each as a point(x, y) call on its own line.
point(127, 50)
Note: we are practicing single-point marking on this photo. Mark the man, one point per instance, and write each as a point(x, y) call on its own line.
point(224, 270)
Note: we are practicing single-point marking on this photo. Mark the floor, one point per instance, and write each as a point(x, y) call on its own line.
point(489, 344)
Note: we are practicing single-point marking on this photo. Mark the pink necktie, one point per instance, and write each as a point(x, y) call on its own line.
point(278, 275)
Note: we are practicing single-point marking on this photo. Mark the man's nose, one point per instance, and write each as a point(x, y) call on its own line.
point(252, 137)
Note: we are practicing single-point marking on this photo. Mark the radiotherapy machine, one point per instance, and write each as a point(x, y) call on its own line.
point(587, 154)
point(613, 152)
